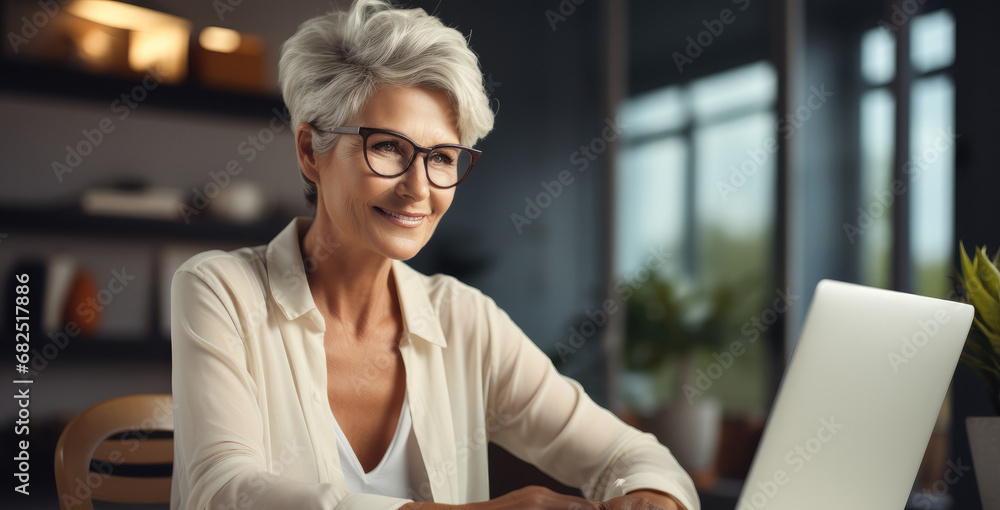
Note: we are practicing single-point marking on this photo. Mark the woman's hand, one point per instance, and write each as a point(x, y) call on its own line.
point(531, 497)
point(534, 497)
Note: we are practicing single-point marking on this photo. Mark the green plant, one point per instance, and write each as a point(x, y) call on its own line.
point(667, 319)
point(979, 279)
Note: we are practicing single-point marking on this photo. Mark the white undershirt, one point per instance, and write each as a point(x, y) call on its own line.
point(400, 468)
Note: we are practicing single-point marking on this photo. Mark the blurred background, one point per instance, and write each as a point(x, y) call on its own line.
point(665, 184)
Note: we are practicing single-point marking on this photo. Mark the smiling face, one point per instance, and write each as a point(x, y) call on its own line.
point(393, 217)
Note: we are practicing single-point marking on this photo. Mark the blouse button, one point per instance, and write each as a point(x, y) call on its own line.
point(617, 487)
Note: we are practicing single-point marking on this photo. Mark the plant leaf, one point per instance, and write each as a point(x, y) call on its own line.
point(991, 338)
point(987, 273)
point(987, 304)
point(968, 270)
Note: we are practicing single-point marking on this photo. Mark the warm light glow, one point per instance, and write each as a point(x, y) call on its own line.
point(156, 40)
point(222, 40)
point(128, 17)
point(96, 45)
point(164, 50)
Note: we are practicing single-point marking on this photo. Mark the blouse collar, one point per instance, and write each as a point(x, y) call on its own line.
point(290, 288)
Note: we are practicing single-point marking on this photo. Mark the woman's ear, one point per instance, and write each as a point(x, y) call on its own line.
point(305, 152)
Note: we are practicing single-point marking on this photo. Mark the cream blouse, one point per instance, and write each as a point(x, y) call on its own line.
point(252, 418)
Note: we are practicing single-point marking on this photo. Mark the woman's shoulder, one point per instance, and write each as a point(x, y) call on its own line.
point(444, 289)
point(237, 271)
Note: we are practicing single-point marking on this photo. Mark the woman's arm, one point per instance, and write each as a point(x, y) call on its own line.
point(554, 425)
point(220, 461)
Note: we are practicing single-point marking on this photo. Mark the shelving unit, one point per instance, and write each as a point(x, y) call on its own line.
point(22, 77)
point(70, 223)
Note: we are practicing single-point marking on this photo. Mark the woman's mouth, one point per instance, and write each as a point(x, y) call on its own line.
point(401, 219)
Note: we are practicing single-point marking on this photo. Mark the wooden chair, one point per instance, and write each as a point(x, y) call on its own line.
point(130, 441)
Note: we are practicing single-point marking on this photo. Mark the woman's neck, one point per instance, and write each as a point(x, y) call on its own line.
point(351, 286)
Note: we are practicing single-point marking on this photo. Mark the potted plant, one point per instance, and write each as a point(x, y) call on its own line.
point(669, 321)
point(979, 283)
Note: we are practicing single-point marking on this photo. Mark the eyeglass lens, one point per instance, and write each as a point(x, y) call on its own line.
point(389, 156)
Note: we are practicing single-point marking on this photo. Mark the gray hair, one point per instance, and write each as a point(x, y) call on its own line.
point(334, 63)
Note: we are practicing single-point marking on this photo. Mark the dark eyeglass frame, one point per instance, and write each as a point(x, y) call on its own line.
point(365, 132)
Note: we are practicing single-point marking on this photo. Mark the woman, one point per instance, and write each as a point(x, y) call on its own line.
point(320, 371)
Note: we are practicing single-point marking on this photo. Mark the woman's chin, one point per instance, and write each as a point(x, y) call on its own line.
point(402, 249)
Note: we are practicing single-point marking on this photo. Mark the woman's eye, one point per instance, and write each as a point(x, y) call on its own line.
point(384, 147)
point(441, 159)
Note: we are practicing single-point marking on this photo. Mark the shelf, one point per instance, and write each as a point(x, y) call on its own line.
point(137, 349)
point(71, 222)
point(27, 77)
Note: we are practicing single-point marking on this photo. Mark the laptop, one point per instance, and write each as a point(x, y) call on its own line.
point(858, 402)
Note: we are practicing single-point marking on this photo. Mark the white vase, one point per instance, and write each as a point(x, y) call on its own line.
point(691, 431)
point(690, 428)
point(984, 440)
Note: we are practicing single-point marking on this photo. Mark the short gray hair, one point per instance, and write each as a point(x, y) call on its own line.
point(334, 63)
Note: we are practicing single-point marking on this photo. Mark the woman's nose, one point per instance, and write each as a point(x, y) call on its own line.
point(414, 183)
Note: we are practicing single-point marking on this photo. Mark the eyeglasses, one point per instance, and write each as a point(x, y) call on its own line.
point(390, 154)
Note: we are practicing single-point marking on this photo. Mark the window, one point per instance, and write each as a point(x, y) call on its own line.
point(695, 179)
point(931, 133)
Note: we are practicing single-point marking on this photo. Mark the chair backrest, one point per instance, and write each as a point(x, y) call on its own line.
point(130, 441)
